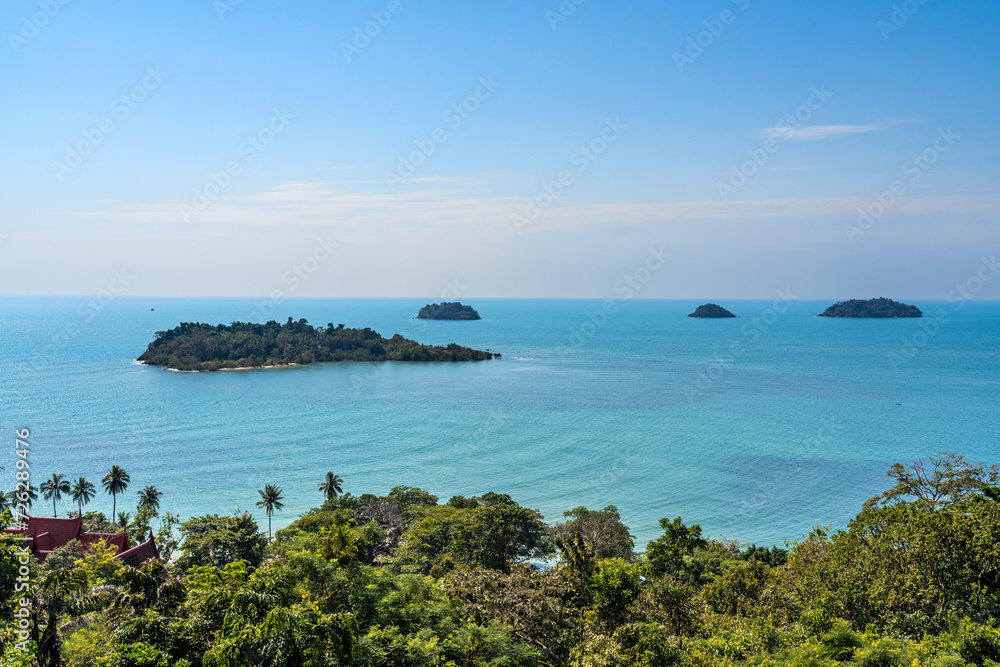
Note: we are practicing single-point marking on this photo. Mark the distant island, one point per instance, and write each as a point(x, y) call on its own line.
point(711, 310)
point(447, 311)
point(880, 307)
point(194, 346)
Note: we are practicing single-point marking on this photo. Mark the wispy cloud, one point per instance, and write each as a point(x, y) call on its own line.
point(816, 132)
point(456, 208)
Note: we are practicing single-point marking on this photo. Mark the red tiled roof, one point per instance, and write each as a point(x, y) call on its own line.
point(50, 533)
point(139, 554)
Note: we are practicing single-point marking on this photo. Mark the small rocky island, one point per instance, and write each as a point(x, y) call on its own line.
point(447, 311)
point(711, 310)
point(194, 346)
point(880, 307)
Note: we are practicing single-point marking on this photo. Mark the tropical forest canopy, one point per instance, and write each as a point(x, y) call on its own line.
point(449, 310)
point(405, 579)
point(711, 310)
point(880, 307)
point(194, 346)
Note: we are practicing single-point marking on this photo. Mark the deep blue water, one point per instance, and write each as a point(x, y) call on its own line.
point(757, 428)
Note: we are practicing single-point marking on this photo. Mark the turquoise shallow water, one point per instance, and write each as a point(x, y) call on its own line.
point(757, 428)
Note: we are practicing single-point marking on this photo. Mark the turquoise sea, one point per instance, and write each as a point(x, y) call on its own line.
point(757, 428)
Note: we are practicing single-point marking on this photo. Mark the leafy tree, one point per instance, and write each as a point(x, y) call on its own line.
point(82, 493)
point(602, 529)
point(534, 605)
point(331, 486)
point(216, 541)
point(944, 479)
point(739, 591)
point(166, 542)
point(115, 482)
point(410, 499)
point(64, 557)
point(53, 488)
point(494, 534)
point(616, 584)
point(270, 500)
point(666, 554)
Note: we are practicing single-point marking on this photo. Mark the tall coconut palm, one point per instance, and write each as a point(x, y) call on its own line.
point(270, 500)
point(150, 497)
point(331, 487)
point(82, 492)
point(53, 488)
point(115, 482)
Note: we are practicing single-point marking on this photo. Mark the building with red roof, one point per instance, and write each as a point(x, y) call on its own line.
point(49, 533)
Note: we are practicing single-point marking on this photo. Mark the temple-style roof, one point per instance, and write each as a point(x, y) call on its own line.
point(140, 553)
point(49, 533)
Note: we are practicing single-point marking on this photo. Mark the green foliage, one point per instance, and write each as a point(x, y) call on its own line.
point(880, 307)
point(194, 346)
point(602, 529)
point(943, 480)
point(615, 585)
point(914, 583)
point(667, 554)
point(219, 540)
point(449, 310)
point(494, 534)
point(64, 557)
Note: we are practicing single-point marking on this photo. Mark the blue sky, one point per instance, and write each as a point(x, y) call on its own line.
point(203, 80)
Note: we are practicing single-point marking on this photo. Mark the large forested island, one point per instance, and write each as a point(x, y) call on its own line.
point(194, 346)
point(449, 310)
point(711, 311)
point(880, 307)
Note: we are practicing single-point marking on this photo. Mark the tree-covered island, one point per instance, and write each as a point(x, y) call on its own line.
point(880, 307)
point(449, 310)
point(711, 310)
point(194, 346)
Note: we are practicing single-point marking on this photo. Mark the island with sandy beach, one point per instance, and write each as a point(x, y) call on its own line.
point(194, 346)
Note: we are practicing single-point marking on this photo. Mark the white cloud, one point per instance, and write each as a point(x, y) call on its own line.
point(815, 132)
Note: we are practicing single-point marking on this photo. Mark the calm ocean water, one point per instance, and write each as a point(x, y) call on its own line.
point(757, 428)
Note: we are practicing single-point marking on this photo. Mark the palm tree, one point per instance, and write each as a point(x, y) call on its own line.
point(53, 488)
point(123, 519)
point(270, 500)
point(13, 498)
point(115, 482)
point(82, 492)
point(331, 487)
point(150, 497)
